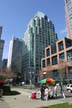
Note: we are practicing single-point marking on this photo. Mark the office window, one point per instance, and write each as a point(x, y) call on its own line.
point(48, 52)
point(61, 56)
point(69, 55)
point(53, 49)
point(48, 61)
point(68, 43)
point(54, 60)
point(43, 63)
point(60, 46)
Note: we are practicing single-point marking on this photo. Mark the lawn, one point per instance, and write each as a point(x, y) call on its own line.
point(65, 105)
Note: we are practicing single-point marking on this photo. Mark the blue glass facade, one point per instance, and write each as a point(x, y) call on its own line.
point(39, 34)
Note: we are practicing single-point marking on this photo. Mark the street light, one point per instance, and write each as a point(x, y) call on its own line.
point(30, 77)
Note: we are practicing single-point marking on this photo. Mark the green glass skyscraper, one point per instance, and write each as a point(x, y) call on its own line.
point(39, 34)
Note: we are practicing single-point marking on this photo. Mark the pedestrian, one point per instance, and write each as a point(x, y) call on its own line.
point(42, 92)
point(38, 94)
point(62, 91)
point(46, 93)
point(55, 91)
point(51, 92)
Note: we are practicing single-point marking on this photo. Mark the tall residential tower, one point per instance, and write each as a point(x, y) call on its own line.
point(68, 11)
point(39, 34)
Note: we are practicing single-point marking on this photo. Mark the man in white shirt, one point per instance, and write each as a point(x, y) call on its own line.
point(46, 94)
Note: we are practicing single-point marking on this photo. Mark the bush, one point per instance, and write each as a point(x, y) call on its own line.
point(11, 93)
point(14, 93)
point(6, 89)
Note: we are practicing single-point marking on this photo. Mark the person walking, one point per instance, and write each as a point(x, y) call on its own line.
point(62, 91)
point(55, 91)
point(42, 92)
point(46, 93)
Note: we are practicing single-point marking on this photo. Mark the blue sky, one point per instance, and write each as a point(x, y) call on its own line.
point(16, 14)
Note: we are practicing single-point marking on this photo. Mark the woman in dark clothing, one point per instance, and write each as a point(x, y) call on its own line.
point(42, 92)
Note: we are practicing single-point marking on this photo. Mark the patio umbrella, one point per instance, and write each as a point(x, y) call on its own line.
point(50, 80)
point(43, 81)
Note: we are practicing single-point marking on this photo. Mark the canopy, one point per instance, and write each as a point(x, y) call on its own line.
point(43, 81)
point(50, 80)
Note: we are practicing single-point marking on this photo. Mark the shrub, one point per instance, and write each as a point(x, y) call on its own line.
point(6, 89)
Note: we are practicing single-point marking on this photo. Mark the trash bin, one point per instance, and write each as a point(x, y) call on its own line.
point(38, 95)
point(33, 95)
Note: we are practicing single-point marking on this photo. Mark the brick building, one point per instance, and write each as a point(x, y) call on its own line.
point(59, 64)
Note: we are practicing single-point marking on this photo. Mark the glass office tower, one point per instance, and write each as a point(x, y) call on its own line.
point(1, 47)
point(39, 34)
point(15, 55)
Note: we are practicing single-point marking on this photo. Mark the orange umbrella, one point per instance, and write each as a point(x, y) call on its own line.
point(50, 80)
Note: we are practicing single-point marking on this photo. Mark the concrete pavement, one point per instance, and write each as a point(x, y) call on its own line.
point(3, 103)
point(23, 100)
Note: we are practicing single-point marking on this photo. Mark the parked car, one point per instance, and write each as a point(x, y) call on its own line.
point(69, 87)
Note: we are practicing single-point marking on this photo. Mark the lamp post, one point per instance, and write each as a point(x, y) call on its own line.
point(30, 77)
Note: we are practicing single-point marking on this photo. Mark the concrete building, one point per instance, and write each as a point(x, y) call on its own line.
point(68, 12)
point(0, 31)
point(1, 47)
point(15, 55)
point(39, 34)
point(59, 64)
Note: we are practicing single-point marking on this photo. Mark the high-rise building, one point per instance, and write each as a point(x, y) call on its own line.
point(39, 34)
point(4, 63)
point(1, 51)
point(68, 12)
point(0, 31)
point(1, 47)
point(15, 55)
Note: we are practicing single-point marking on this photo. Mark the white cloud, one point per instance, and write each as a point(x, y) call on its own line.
point(63, 31)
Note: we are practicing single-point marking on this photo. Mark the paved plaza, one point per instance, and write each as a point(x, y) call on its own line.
point(23, 100)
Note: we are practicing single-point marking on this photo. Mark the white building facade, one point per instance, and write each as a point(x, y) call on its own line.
point(15, 55)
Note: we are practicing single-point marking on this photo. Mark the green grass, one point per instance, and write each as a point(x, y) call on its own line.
point(64, 105)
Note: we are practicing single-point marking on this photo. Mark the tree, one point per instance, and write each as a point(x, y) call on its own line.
point(62, 70)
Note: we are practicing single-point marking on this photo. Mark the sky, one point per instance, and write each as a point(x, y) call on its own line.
point(16, 14)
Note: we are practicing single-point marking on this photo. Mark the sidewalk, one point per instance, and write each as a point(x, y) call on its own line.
point(3, 104)
point(23, 100)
